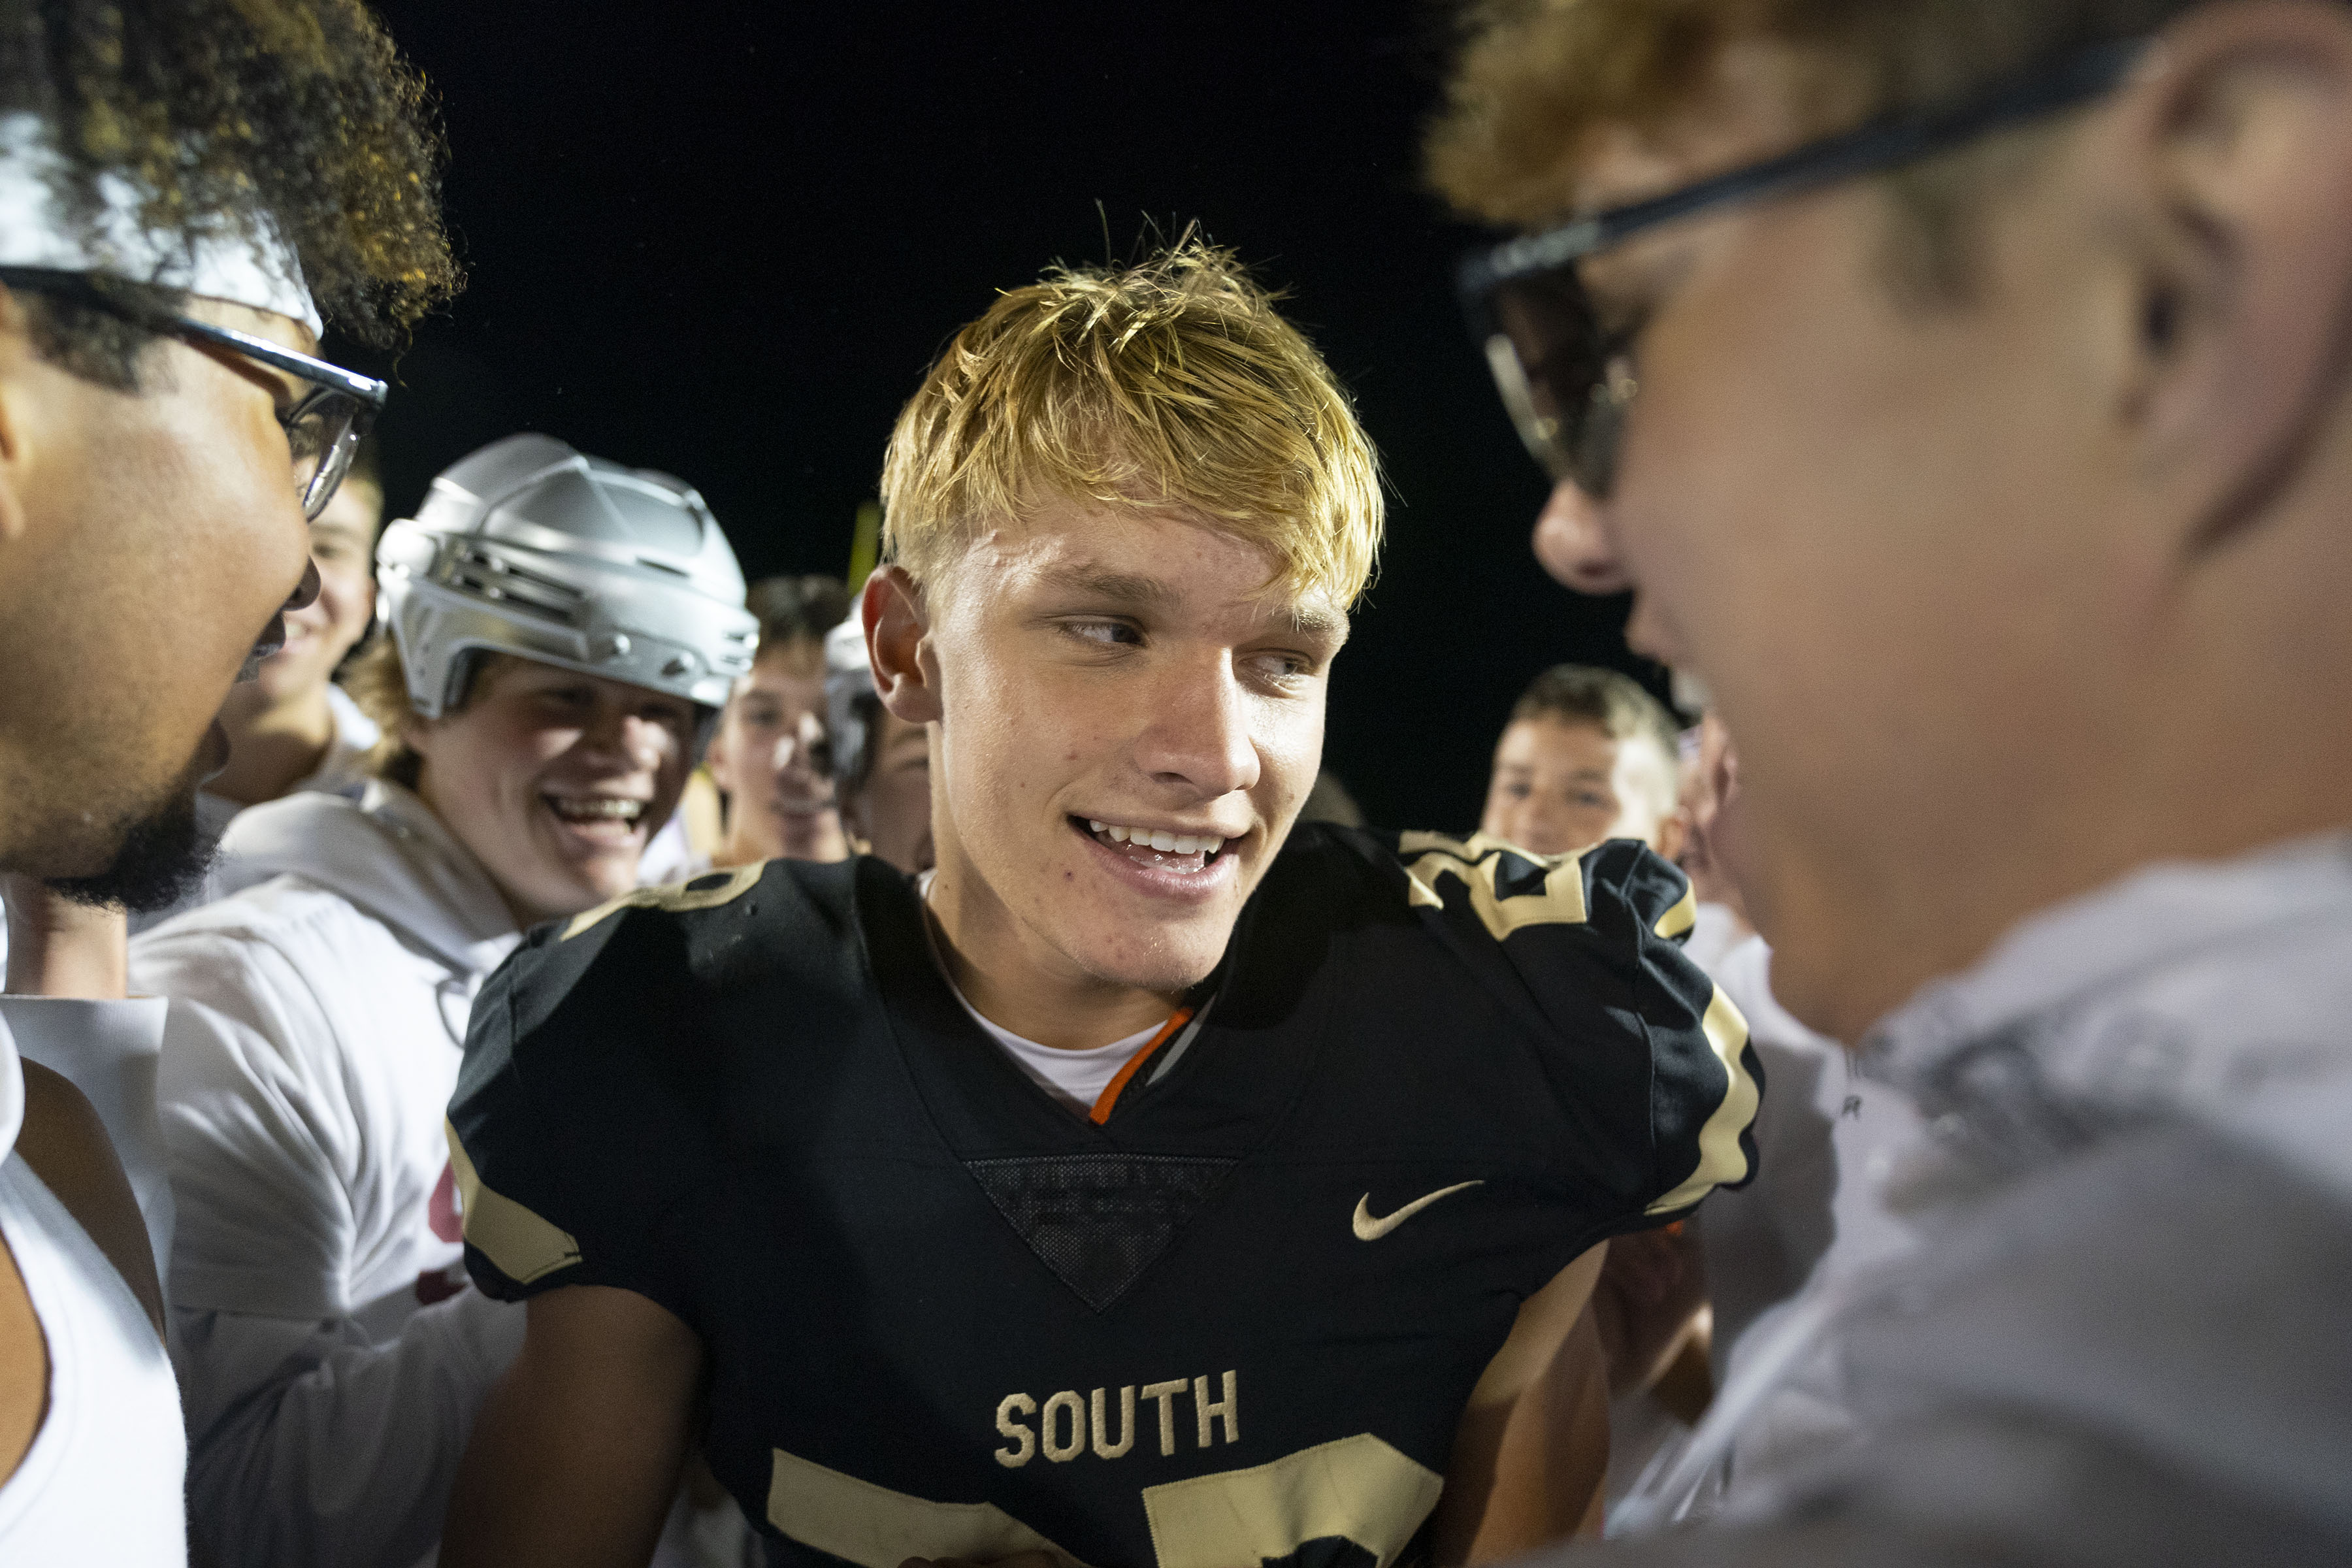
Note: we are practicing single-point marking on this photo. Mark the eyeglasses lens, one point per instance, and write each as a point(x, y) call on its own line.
point(1552, 367)
point(323, 436)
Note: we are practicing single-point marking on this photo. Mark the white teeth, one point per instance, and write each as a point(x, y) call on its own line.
point(1164, 842)
point(599, 807)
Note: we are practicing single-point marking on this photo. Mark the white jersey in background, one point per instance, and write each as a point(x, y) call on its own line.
point(101, 1481)
point(2121, 1336)
point(332, 1355)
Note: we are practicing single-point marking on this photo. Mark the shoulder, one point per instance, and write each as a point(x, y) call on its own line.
point(787, 921)
point(269, 831)
point(286, 940)
point(1619, 888)
point(606, 1055)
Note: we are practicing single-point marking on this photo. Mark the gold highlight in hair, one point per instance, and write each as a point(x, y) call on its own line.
point(1170, 384)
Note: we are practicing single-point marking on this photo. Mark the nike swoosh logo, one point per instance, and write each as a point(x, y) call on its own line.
point(1370, 1229)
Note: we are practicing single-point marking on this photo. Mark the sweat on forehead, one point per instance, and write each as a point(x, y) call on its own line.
point(1171, 385)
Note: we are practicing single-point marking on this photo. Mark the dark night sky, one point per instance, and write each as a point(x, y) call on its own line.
point(725, 240)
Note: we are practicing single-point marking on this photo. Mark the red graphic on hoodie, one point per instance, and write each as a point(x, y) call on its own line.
point(442, 1213)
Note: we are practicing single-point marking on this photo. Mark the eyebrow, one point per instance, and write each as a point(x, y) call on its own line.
point(1121, 588)
point(1143, 592)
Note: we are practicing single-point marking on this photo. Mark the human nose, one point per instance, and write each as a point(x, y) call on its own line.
point(1571, 545)
point(1200, 738)
point(306, 592)
point(631, 740)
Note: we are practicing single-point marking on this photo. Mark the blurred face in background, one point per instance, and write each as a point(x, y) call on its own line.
point(342, 546)
point(555, 780)
point(892, 809)
point(768, 757)
point(1562, 783)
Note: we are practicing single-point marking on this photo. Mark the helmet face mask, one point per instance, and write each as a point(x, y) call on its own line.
point(528, 547)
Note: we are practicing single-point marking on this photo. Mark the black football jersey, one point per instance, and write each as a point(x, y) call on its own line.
point(1235, 1321)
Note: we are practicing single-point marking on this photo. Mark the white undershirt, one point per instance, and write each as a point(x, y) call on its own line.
point(1077, 1077)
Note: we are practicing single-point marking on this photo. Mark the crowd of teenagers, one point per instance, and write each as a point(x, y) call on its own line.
point(522, 1047)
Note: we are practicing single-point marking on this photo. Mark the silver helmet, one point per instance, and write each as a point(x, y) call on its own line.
point(529, 547)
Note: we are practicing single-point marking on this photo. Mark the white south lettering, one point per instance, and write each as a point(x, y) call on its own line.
point(1166, 1392)
point(1104, 1420)
point(1024, 1447)
point(1058, 1452)
point(1103, 1449)
point(1227, 1410)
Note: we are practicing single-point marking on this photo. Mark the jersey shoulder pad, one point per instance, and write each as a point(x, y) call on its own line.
point(591, 1095)
point(1589, 945)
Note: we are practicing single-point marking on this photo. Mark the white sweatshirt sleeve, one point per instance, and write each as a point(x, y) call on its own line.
point(306, 1443)
point(316, 1447)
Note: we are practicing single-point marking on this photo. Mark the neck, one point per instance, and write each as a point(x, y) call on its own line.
point(1015, 981)
point(2223, 731)
point(273, 743)
point(817, 835)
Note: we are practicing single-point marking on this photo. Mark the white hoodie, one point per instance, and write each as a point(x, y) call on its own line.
point(2122, 1335)
point(332, 1359)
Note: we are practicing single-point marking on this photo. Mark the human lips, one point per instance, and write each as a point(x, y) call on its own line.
point(602, 819)
point(271, 640)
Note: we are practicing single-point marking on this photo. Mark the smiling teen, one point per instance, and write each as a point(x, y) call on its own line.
point(1153, 1181)
point(316, 1016)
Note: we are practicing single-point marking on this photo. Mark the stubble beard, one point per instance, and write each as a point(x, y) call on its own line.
point(160, 857)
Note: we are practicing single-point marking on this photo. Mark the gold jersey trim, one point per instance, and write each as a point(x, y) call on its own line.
point(1473, 862)
point(694, 893)
point(1359, 1488)
point(521, 1246)
point(1720, 1158)
point(873, 1526)
point(1679, 920)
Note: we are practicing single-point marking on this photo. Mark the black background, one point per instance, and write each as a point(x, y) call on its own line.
point(724, 241)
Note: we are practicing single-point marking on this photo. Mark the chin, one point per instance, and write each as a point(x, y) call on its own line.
point(1167, 962)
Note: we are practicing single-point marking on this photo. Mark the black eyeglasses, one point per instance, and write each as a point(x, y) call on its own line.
point(1568, 382)
point(323, 428)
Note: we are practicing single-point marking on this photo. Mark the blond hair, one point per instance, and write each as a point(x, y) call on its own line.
point(1171, 384)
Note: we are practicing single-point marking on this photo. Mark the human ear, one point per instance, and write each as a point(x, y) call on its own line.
point(897, 630)
point(2240, 132)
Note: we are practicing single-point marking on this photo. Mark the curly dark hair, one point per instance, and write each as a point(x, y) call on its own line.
point(234, 113)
